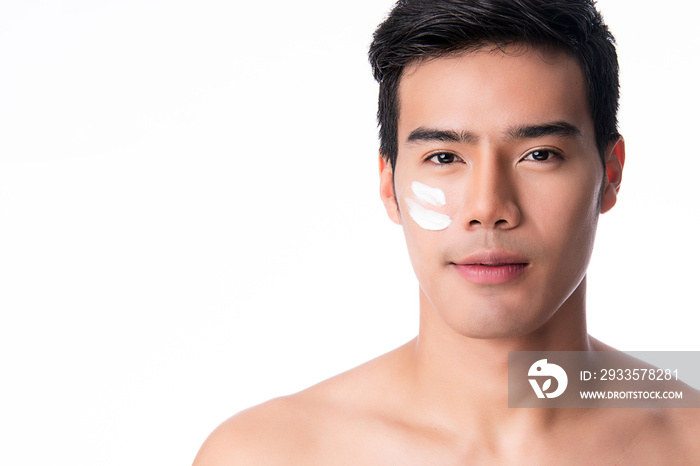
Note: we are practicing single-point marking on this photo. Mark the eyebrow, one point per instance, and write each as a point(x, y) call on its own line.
point(442, 135)
point(557, 128)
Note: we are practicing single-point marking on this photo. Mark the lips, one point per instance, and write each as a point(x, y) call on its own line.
point(491, 267)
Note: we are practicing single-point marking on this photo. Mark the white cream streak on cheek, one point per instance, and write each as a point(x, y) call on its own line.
point(427, 195)
point(426, 218)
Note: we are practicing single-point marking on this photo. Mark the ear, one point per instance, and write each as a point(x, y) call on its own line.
point(614, 162)
point(386, 190)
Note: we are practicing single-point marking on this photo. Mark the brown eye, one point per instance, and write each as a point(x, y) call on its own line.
point(442, 158)
point(541, 155)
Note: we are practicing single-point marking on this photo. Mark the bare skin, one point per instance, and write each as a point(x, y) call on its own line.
point(442, 397)
point(374, 414)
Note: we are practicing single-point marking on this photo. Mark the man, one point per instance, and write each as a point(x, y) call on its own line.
point(499, 150)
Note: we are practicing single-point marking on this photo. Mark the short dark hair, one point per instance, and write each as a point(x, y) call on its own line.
point(420, 29)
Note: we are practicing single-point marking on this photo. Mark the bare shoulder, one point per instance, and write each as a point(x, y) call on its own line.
point(305, 427)
point(264, 434)
point(656, 435)
point(665, 435)
point(673, 436)
point(685, 424)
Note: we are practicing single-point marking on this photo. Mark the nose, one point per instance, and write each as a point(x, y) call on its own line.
point(491, 198)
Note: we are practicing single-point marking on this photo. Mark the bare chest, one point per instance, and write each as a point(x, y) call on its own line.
point(368, 446)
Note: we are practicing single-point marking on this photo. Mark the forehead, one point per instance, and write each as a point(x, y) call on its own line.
point(488, 90)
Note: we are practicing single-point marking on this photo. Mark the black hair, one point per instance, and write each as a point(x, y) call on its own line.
point(420, 29)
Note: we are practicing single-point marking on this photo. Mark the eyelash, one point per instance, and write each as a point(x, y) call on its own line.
point(553, 155)
point(455, 158)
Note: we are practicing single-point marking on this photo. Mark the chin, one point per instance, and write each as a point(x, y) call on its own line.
point(494, 324)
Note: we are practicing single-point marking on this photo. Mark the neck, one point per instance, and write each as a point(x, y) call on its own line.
point(464, 380)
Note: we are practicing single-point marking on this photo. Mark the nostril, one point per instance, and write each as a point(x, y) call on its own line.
point(499, 223)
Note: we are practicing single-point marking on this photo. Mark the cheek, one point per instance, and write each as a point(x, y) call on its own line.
point(426, 206)
point(569, 219)
point(426, 217)
point(426, 214)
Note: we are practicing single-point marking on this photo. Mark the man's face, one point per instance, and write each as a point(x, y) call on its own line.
point(497, 182)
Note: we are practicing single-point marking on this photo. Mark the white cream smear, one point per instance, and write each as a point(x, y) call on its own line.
point(420, 213)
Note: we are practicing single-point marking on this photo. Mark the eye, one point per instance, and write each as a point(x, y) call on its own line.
point(542, 155)
point(443, 158)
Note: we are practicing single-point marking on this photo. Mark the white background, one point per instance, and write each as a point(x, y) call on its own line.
point(190, 225)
